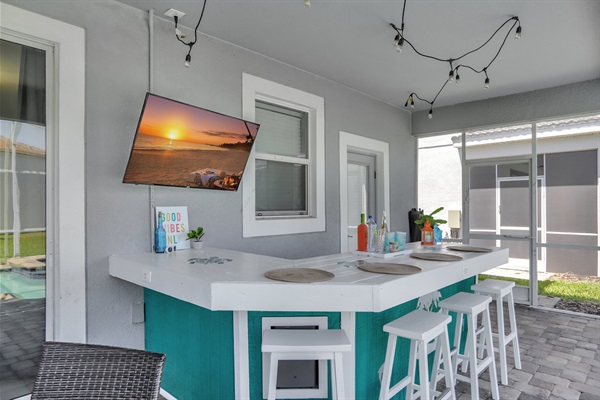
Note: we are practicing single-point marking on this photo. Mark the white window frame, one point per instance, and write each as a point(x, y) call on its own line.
point(65, 247)
point(255, 88)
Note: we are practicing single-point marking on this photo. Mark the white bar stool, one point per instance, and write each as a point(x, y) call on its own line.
point(421, 327)
point(498, 290)
point(472, 305)
point(319, 344)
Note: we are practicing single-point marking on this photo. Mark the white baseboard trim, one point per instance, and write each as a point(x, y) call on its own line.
point(167, 395)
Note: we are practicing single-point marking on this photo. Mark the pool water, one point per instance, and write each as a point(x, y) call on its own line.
point(22, 287)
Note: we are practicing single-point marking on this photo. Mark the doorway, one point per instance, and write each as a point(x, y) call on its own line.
point(361, 192)
point(500, 211)
point(362, 161)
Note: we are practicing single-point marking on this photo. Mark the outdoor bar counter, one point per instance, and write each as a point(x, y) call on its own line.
point(204, 310)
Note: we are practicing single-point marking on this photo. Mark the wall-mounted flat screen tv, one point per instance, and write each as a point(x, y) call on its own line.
point(177, 144)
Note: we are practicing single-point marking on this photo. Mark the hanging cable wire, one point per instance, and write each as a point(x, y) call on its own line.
point(180, 36)
point(453, 75)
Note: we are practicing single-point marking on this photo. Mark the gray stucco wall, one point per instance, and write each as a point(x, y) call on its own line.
point(117, 215)
point(567, 100)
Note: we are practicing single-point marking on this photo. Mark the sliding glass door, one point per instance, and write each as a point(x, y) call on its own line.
point(23, 196)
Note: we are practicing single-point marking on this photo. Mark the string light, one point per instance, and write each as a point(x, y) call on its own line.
point(180, 36)
point(400, 39)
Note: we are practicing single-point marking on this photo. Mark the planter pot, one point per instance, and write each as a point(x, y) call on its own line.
point(197, 245)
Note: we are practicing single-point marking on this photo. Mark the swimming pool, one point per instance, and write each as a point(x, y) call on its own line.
point(22, 287)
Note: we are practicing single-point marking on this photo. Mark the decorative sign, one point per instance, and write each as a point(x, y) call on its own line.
point(176, 225)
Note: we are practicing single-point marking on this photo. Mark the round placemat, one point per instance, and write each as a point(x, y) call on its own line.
point(299, 275)
point(470, 248)
point(436, 256)
point(390, 268)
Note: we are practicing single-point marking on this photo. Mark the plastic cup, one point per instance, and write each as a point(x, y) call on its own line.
point(389, 237)
point(401, 240)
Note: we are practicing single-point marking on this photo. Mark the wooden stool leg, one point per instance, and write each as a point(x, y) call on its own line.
point(436, 364)
point(334, 379)
point(513, 328)
point(501, 340)
point(448, 373)
point(339, 376)
point(273, 376)
point(472, 320)
point(412, 367)
point(487, 331)
point(423, 371)
point(481, 347)
point(387, 367)
point(457, 337)
point(471, 349)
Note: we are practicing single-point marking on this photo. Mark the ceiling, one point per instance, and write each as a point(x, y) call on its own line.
point(351, 42)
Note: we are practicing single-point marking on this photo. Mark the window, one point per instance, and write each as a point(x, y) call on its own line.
point(283, 137)
point(284, 185)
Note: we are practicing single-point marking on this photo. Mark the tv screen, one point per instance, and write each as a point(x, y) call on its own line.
point(177, 144)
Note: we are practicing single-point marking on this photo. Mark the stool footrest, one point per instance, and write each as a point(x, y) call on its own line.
point(399, 386)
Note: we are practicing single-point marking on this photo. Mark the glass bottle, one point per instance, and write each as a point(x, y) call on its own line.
point(363, 234)
point(160, 235)
point(372, 234)
point(382, 246)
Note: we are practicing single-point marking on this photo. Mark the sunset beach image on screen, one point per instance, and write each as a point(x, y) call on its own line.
point(177, 144)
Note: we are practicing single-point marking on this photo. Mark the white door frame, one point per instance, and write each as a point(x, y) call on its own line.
point(65, 252)
point(381, 151)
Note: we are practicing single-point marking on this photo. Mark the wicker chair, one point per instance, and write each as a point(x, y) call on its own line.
point(83, 371)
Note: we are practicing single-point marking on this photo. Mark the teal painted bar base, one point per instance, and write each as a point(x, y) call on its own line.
point(199, 346)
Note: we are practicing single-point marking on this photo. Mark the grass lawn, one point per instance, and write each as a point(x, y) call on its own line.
point(580, 290)
point(32, 244)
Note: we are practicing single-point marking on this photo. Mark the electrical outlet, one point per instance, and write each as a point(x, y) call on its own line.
point(147, 277)
point(172, 13)
point(138, 315)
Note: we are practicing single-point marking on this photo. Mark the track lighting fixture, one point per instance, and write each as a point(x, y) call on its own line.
point(180, 36)
point(400, 39)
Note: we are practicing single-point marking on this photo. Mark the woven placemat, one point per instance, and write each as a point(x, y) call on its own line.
point(299, 275)
point(390, 268)
point(436, 256)
point(470, 248)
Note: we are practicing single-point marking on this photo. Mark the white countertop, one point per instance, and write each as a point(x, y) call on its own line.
point(240, 284)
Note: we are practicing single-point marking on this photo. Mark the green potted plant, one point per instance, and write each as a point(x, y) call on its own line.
point(195, 236)
point(433, 223)
point(430, 217)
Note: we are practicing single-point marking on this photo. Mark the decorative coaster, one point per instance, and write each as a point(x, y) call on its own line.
point(469, 248)
point(436, 256)
point(299, 275)
point(390, 268)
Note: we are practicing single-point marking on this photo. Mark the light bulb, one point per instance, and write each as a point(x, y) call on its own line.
point(487, 83)
point(412, 104)
point(451, 75)
point(518, 33)
point(306, 3)
point(188, 60)
point(457, 79)
point(396, 40)
point(179, 34)
point(430, 116)
point(399, 45)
